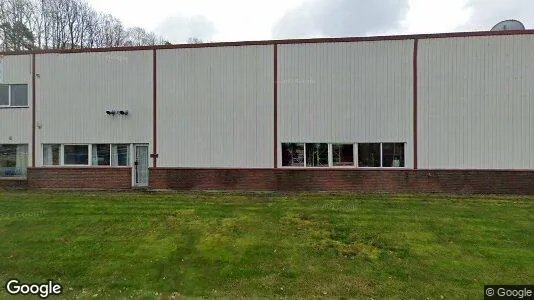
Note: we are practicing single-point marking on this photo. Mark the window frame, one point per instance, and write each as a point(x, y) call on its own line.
point(9, 105)
point(95, 147)
point(355, 156)
point(303, 156)
point(90, 155)
point(26, 162)
point(60, 158)
point(128, 157)
point(403, 152)
point(328, 165)
point(379, 153)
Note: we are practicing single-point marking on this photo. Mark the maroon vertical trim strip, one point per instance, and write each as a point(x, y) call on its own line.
point(415, 51)
point(275, 105)
point(33, 110)
point(154, 110)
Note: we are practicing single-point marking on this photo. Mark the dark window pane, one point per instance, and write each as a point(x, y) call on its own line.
point(4, 94)
point(19, 95)
point(101, 155)
point(343, 155)
point(393, 155)
point(369, 155)
point(292, 155)
point(120, 155)
point(316, 155)
point(76, 154)
point(13, 160)
point(51, 155)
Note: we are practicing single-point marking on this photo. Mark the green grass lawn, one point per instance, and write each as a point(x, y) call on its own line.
point(149, 246)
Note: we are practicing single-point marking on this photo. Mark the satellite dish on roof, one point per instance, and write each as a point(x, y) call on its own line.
point(508, 25)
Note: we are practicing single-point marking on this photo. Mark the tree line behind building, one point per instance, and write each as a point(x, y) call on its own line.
point(65, 24)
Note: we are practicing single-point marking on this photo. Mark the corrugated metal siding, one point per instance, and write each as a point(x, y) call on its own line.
point(17, 69)
point(215, 107)
point(17, 122)
point(75, 90)
point(476, 102)
point(347, 93)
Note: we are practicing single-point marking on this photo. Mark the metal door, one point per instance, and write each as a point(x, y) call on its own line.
point(141, 166)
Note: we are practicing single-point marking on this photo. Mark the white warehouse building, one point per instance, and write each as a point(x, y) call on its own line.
point(405, 112)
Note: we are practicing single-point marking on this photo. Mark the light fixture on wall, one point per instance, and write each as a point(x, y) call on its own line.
point(123, 112)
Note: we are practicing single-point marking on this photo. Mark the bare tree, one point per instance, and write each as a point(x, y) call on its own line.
point(70, 11)
point(194, 40)
point(15, 32)
point(137, 36)
point(83, 23)
point(25, 24)
point(112, 33)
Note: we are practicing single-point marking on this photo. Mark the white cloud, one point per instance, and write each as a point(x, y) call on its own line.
point(234, 20)
point(486, 13)
point(334, 18)
point(431, 16)
point(178, 29)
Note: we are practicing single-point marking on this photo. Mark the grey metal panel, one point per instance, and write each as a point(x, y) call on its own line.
point(347, 93)
point(475, 102)
point(75, 90)
point(17, 69)
point(16, 123)
point(215, 107)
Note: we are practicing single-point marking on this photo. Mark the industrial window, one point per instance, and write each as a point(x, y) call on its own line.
point(369, 155)
point(342, 155)
point(19, 95)
point(387, 155)
point(120, 155)
point(305, 155)
point(366, 155)
point(4, 95)
point(13, 95)
point(76, 155)
point(292, 155)
point(101, 155)
point(316, 155)
point(51, 155)
point(114, 155)
point(393, 155)
point(13, 160)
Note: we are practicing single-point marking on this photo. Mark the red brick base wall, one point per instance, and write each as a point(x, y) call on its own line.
point(80, 178)
point(388, 181)
point(13, 183)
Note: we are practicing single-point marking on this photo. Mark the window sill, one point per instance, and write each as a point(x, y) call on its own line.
point(13, 178)
point(7, 107)
point(82, 166)
point(75, 166)
point(343, 168)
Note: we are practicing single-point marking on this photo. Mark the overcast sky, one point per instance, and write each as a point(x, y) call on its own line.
point(237, 20)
